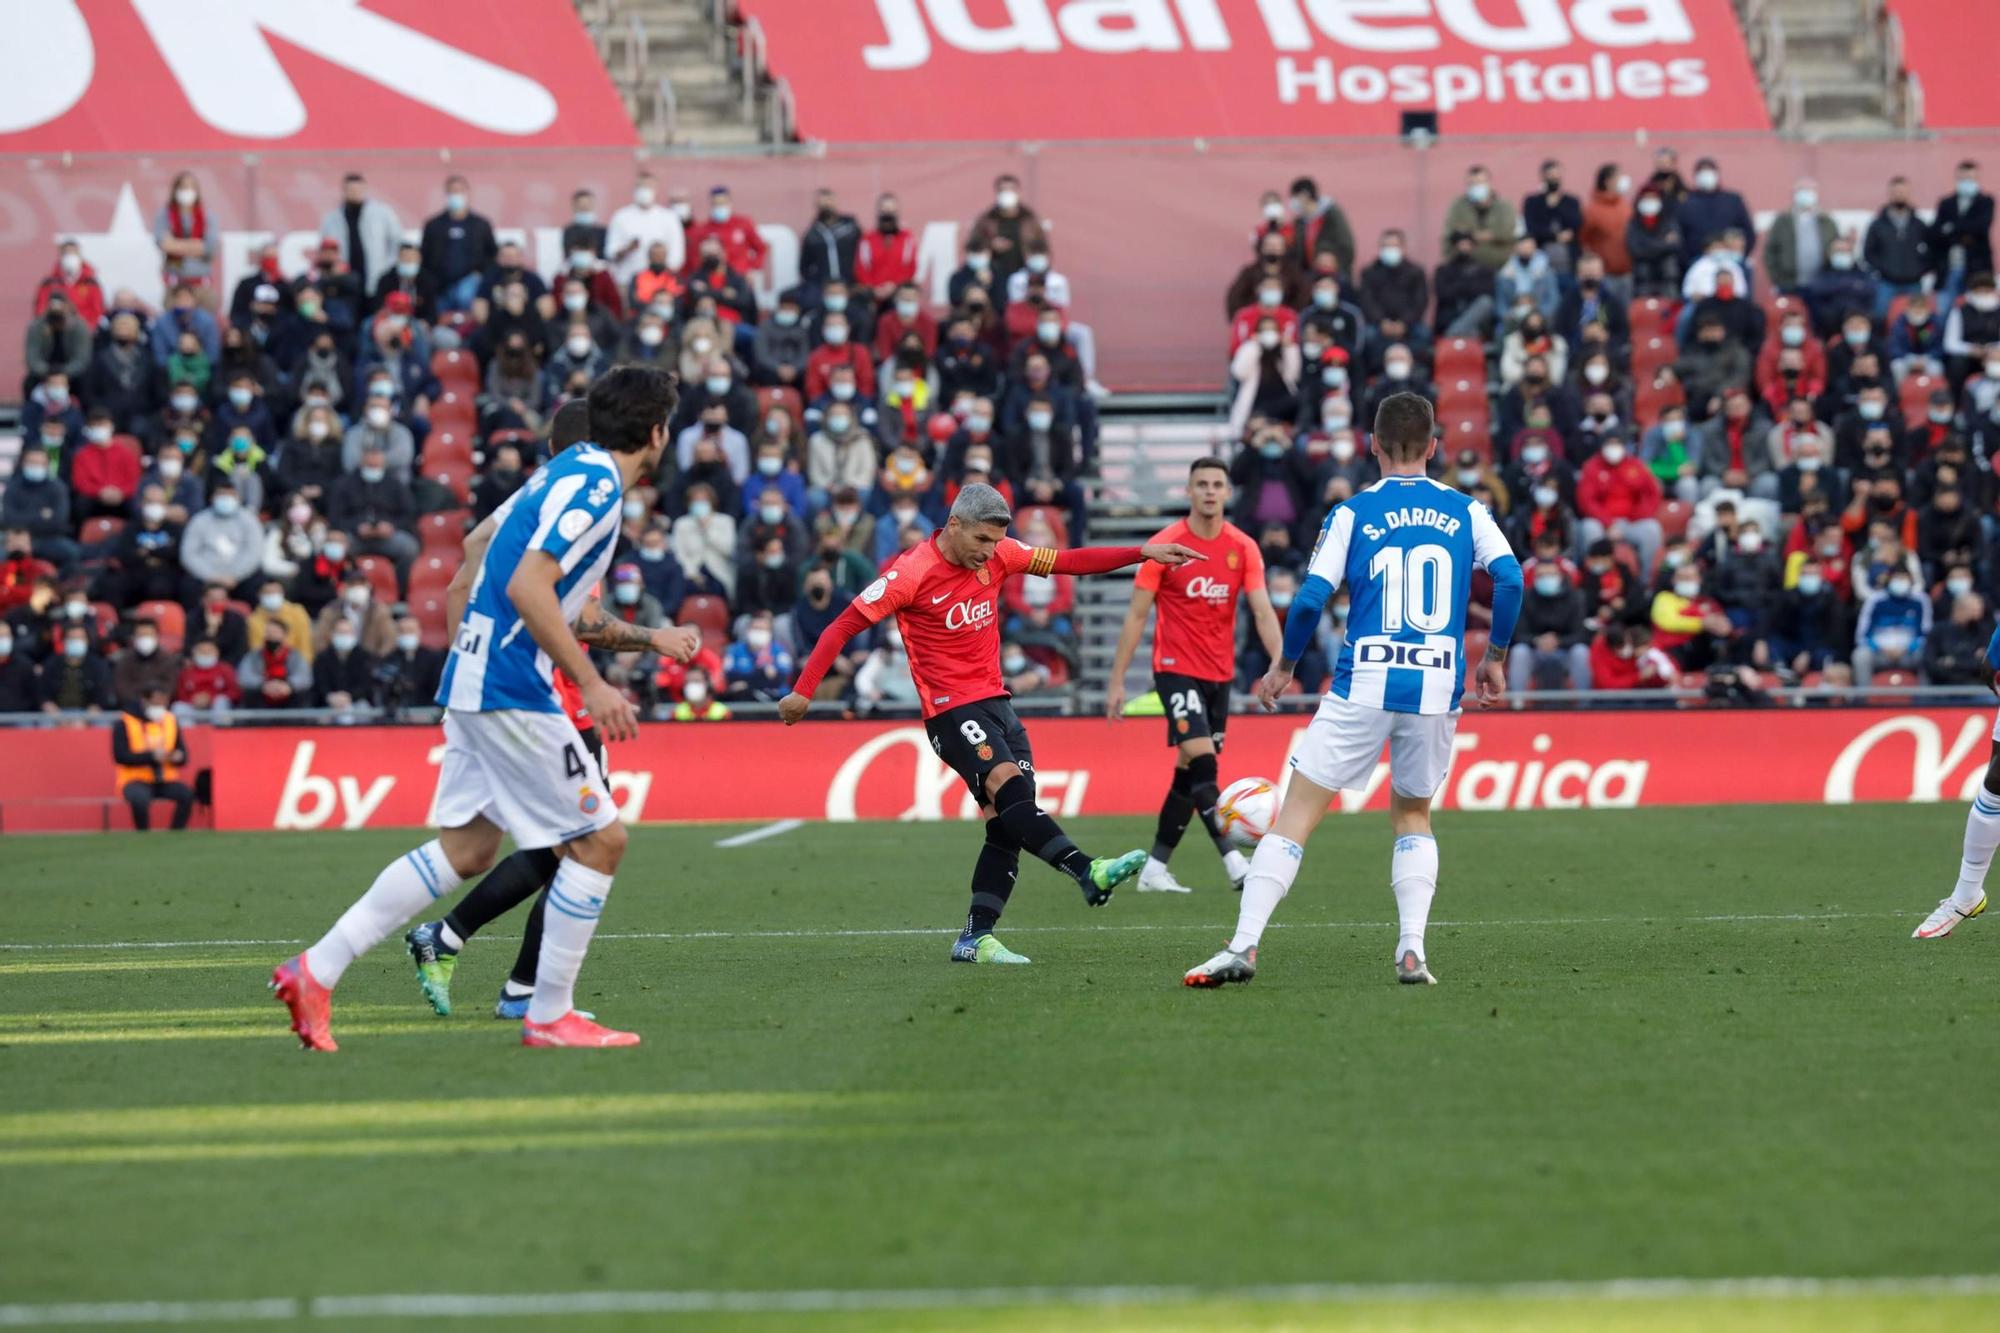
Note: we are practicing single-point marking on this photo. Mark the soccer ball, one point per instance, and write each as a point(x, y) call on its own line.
point(1248, 808)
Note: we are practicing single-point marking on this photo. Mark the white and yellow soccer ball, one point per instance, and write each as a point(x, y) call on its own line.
point(1248, 808)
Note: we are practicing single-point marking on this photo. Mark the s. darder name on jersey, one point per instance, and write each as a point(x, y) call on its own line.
point(1403, 518)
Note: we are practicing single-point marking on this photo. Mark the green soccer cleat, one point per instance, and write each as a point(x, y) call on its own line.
point(435, 962)
point(1108, 872)
point(983, 948)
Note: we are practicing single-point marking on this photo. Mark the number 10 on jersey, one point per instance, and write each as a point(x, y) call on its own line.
point(1415, 584)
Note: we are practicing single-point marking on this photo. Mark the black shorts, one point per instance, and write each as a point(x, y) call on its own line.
point(976, 738)
point(1194, 708)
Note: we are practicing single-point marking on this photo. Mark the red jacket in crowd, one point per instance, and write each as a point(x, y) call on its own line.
point(820, 366)
point(100, 465)
point(882, 261)
point(1243, 326)
point(1646, 669)
point(1771, 385)
point(204, 687)
point(890, 330)
point(18, 576)
point(83, 292)
point(742, 247)
point(1627, 491)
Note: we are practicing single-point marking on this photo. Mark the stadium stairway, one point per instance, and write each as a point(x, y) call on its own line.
point(1142, 458)
point(681, 67)
point(1824, 65)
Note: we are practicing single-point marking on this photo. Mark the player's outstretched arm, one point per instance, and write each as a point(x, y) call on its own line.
point(1104, 559)
point(1128, 644)
point(600, 629)
point(532, 591)
point(832, 639)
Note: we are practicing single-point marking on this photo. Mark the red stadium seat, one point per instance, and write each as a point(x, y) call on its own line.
point(171, 619)
point(1475, 644)
point(456, 369)
point(97, 530)
point(454, 477)
point(443, 533)
point(431, 574)
point(1468, 432)
point(454, 410)
point(1460, 356)
point(1648, 402)
point(381, 572)
point(708, 614)
point(1461, 395)
point(430, 614)
point(777, 395)
point(446, 445)
point(1916, 395)
point(1653, 317)
point(106, 616)
point(1674, 516)
point(1649, 354)
point(1897, 306)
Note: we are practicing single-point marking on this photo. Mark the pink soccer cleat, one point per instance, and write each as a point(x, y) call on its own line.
point(573, 1029)
point(311, 1003)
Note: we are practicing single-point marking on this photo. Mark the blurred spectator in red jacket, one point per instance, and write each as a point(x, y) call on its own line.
point(76, 282)
point(206, 680)
point(1791, 346)
point(905, 315)
point(742, 246)
point(20, 571)
point(838, 350)
point(1268, 303)
point(1619, 497)
point(886, 258)
point(1622, 657)
point(105, 474)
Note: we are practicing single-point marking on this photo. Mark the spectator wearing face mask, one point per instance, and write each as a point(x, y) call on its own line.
point(1041, 459)
point(1708, 210)
point(58, 343)
point(774, 468)
point(1733, 448)
point(1395, 292)
point(1270, 478)
point(146, 558)
point(1955, 653)
point(713, 427)
point(52, 415)
point(213, 618)
point(402, 279)
point(886, 257)
point(1916, 339)
point(1972, 329)
point(743, 246)
point(188, 236)
point(1896, 248)
point(105, 474)
point(1961, 233)
point(1839, 289)
point(207, 682)
point(148, 752)
point(224, 543)
point(965, 364)
point(1691, 627)
point(782, 346)
point(1947, 530)
point(1623, 657)
point(1710, 366)
point(1607, 214)
point(1400, 374)
point(275, 674)
point(767, 581)
point(638, 226)
point(122, 378)
point(1537, 388)
point(1526, 281)
point(1883, 556)
point(1799, 242)
point(1464, 290)
point(73, 282)
point(1554, 218)
point(144, 667)
point(367, 230)
point(1544, 490)
point(77, 679)
point(294, 619)
point(1269, 282)
point(845, 519)
point(903, 315)
point(704, 544)
point(357, 606)
point(1801, 450)
point(407, 676)
point(1551, 647)
point(20, 572)
point(840, 453)
point(313, 458)
point(378, 431)
point(1338, 321)
point(1266, 371)
point(1890, 634)
point(758, 667)
point(1792, 364)
point(458, 247)
point(1653, 241)
point(838, 351)
point(1006, 228)
point(1619, 498)
point(1805, 625)
point(1590, 301)
point(1532, 337)
point(697, 690)
point(1485, 217)
point(377, 510)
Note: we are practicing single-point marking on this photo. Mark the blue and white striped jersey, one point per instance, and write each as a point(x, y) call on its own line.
point(569, 508)
point(1404, 549)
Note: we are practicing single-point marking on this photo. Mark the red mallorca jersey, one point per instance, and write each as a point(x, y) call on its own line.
point(567, 692)
point(1195, 634)
point(950, 618)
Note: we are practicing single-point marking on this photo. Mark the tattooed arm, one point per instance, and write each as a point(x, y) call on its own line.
point(600, 629)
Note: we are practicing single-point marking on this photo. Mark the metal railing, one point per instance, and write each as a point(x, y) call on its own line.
point(756, 61)
point(665, 110)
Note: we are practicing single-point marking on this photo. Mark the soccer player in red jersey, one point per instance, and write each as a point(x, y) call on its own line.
point(1194, 660)
point(945, 595)
point(434, 945)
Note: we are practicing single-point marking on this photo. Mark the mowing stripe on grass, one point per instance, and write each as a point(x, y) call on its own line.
point(891, 932)
point(240, 1032)
point(783, 826)
point(583, 1303)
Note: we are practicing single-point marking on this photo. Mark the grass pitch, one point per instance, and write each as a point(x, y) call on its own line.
point(1667, 1045)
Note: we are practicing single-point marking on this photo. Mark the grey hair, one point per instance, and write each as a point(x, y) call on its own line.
point(980, 503)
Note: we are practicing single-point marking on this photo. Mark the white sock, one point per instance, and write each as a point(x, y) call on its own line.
point(404, 888)
point(1272, 871)
point(1154, 865)
point(1413, 874)
point(576, 899)
point(449, 936)
point(1235, 866)
point(1982, 835)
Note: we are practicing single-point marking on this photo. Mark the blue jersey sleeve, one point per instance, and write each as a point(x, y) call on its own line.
point(575, 514)
point(1993, 651)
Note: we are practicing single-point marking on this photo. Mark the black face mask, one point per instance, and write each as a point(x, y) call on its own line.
point(826, 213)
point(889, 224)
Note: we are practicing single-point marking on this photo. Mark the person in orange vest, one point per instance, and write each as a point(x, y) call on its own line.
point(146, 744)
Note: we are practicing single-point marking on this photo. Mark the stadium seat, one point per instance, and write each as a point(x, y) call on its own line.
point(1460, 357)
point(443, 533)
point(1897, 305)
point(708, 614)
point(1649, 354)
point(430, 613)
point(1916, 395)
point(454, 408)
point(1475, 644)
point(97, 530)
point(381, 572)
point(106, 616)
point(1461, 395)
point(1468, 432)
point(431, 574)
point(456, 369)
point(777, 395)
point(1648, 401)
point(171, 619)
point(454, 477)
point(1653, 317)
point(446, 445)
point(1674, 516)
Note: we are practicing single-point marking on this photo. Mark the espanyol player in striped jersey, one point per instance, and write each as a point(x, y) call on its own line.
point(1982, 834)
point(513, 760)
point(1404, 548)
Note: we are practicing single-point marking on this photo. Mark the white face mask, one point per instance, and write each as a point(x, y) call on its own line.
point(836, 335)
point(1596, 373)
point(652, 335)
point(1899, 587)
point(357, 596)
point(153, 513)
point(1688, 588)
point(146, 645)
point(335, 551)
point(1534, 455)
point(317, 429)
point(1007, 199)
point(1806, 200)
point(224, 505)
point(579, 348)
point(170, 468)
point(1648, 207)
point(1706, 179)
point(271, 602)
point(699, 509)
point(155, 712)
point(758, 639)
point(406, 643)
point(185, 197)
point(721, 212)
point(378, 417)
point(344, 643)
point(1546, 497)
point(574, 301)
point(694, 691)
point(1267, 339)
point(1958, 586)
point(1479, 192)
point(1392, 255)
point(183, 403)
point(643, 196)
point(1614, 454)
point(906, 311)
point(205, 660)
point(635, 510)
point(1396, 370)
point(1342, 449)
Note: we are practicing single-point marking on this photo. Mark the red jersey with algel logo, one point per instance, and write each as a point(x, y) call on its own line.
point(567, 692)
point(950, 618)
point(1195, 633)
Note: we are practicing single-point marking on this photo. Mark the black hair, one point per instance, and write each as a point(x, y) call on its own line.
point(570, 424)
point(1404, 426)
point(1210, 461)
point(629, 403)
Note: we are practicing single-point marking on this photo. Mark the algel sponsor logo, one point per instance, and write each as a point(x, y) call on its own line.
point(1203, 588)
point(969, 614)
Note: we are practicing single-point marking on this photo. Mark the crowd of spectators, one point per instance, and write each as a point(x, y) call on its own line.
point(256, 497)
point(1723, 457)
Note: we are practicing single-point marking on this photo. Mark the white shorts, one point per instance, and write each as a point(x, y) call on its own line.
point(527, 772)
point(1345, 739)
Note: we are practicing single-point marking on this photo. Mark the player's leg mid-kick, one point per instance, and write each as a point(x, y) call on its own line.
point(1967, 898)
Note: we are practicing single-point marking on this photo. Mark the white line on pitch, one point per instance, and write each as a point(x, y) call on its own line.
point(493, 1306)
point(759, 834)
point(892, 932)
